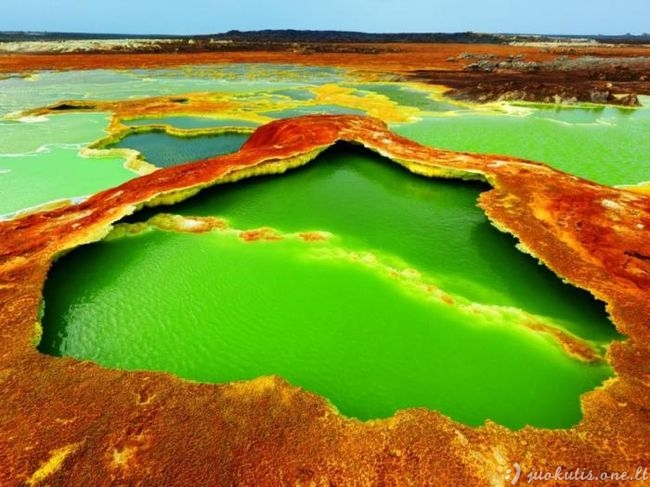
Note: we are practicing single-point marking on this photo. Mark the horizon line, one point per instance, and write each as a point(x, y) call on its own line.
point(253, 31)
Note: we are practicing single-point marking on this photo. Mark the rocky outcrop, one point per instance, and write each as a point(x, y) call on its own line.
point(563, 80)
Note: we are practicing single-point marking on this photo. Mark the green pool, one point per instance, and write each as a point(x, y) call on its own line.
point(357, 318)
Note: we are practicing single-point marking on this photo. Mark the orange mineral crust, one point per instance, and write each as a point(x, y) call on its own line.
point(402, 56)
point(66, 422)
point(536, 72)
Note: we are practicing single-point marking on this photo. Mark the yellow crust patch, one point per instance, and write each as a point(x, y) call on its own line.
point(52, 464)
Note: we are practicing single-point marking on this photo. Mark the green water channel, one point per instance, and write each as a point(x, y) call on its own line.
point(214, 308)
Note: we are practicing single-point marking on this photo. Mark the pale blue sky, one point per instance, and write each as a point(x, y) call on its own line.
point(213, 16)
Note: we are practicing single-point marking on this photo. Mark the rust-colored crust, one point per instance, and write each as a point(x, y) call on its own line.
point(406, 57)
point(66, 422)
point(392, 57)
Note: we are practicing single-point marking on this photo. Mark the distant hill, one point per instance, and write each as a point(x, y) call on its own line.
point(346, 36)
point(324, 36)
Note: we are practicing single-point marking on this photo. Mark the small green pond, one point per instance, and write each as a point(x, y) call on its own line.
point(164, 150)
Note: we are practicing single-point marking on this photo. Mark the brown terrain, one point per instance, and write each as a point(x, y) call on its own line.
point(66, 422)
